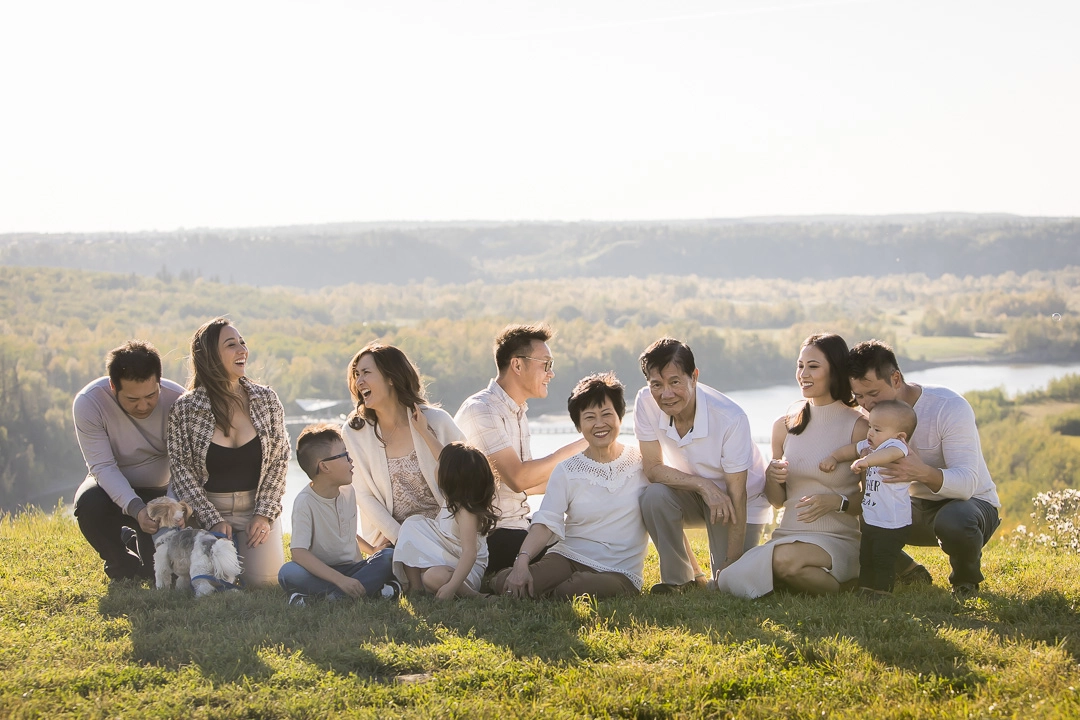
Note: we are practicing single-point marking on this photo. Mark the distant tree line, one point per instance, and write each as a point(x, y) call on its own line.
point(57, 324)
point(400, 253)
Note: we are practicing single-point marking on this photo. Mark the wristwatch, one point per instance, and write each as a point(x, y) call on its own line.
point(843, 504)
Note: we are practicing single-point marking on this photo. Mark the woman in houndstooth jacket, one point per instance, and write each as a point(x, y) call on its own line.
point(229, 450)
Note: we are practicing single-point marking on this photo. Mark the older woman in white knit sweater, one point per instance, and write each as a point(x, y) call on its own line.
point(816, 547)
point(591, 508)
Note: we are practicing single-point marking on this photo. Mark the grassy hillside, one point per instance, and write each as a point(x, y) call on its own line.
point(71, 646)
point(1028, 444)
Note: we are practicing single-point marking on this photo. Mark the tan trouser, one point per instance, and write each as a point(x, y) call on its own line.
point(261, 563)
point(666, 512)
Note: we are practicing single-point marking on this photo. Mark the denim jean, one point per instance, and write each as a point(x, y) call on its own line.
point(372, 573)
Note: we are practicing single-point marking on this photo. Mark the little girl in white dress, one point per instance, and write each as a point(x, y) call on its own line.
point(447, 556)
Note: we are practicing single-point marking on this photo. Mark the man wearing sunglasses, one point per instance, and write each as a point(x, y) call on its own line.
point(494, 421)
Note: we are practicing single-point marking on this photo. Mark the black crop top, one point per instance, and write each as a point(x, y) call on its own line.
point(232, 470)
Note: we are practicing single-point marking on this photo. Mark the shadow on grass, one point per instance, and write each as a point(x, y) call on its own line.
point(797, 626)
point(228, 635)
point(245, 634)
point(1049, 618)
point(254, 634)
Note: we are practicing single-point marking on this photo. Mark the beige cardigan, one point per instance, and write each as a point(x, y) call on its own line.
point(371, 474)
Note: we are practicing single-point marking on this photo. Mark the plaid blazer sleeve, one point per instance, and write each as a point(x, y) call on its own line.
point(191, 427)
point(268, 417)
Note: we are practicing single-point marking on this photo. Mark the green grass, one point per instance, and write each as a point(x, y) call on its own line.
point(73, 646)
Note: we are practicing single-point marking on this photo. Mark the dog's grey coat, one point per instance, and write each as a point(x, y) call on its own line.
point(183, 543)
point(191, 555)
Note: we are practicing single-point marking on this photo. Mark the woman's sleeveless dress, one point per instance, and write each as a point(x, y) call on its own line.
point(836, 533)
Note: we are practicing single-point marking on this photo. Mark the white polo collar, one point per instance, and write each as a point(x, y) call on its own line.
point(700, 429)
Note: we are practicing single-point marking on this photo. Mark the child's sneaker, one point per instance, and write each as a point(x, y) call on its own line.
point(298, 600)
point(391, 590)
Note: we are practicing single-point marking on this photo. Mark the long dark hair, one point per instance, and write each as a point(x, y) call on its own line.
point(467, 483)
point(835, 351)
point(398, 370)
point(209, 372)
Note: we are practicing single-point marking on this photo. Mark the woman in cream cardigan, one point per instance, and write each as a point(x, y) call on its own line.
point(394, 469)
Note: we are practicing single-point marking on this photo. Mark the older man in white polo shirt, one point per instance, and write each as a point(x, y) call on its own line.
point(704, 468)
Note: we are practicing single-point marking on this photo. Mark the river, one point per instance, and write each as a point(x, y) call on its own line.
point(763, 406)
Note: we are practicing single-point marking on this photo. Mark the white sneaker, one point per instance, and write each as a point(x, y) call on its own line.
point(391, 590)
point(298, 600)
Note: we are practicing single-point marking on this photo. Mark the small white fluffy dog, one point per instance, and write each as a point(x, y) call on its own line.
point(192, 555)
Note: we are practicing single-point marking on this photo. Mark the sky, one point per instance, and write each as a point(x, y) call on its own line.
point(131, 116)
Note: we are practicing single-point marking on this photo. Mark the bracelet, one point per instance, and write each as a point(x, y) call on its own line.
point(523, 553)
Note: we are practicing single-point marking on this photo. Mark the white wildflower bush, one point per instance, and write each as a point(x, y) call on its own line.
point(1055, 521)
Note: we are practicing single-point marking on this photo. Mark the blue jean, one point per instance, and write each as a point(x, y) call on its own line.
point(372, 573)
point(960, 527)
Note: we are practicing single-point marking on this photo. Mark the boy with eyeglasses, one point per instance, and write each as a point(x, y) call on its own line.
point(326, 549)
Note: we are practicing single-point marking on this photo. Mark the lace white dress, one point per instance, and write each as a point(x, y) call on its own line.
point(593, 509)
point(424, 543)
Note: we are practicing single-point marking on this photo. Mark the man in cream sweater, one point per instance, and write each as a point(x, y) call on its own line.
point(954, 502)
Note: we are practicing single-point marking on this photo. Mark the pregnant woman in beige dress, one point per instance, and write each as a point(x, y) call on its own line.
point(816, 547)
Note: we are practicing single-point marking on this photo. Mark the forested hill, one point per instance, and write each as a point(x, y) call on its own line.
point(393, 253)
